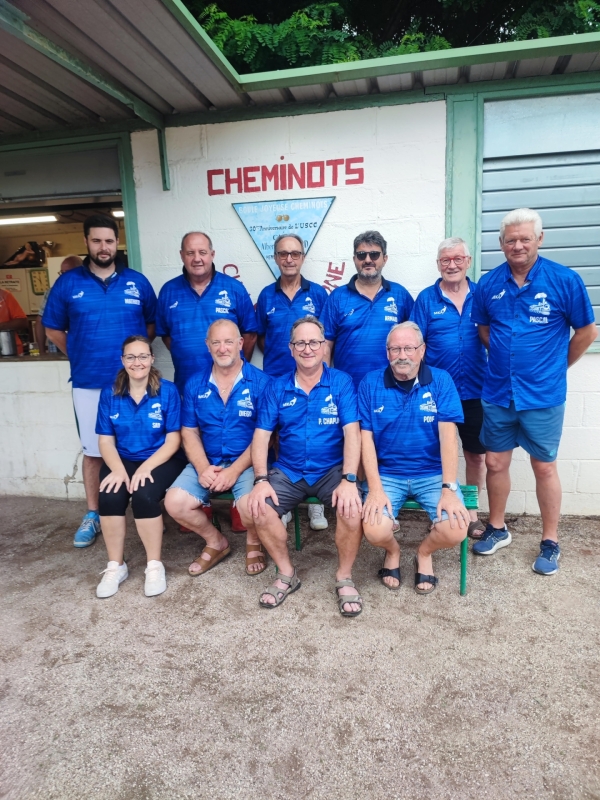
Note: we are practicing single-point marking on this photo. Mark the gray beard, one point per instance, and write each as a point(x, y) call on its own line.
point(369, 278)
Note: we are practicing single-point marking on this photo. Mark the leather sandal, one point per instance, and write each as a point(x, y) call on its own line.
point(384, 572)
point(348, 598)
point(255, 559)
point(476, 530)
point(293, 584)
point(215, 557)
point(420, 578)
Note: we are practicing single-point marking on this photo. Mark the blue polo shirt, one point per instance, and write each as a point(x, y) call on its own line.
point(452, 339)
point(139, 428)
point(276, 314)
point(226, 429)
point(405, 424)
point(359, 326)
point(185, 316)
point(98, 317)
point(311, 436)
point(530, 332)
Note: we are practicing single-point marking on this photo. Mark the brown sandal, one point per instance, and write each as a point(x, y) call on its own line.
point(255, 559)
point(215, 557)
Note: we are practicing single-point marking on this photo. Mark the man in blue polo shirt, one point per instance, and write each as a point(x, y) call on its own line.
point(220, 406)
point(187, 305)
point(90, 311)
point(279, 306)
point(408, 414)
point(314, 409)
point(443, 313)
point(357, 317)
point(525, 309)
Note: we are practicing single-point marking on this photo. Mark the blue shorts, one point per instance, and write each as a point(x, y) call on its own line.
point(536, 430)
point(426, 492)
point(188, 481)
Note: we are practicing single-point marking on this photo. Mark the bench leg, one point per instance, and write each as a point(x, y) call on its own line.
point(464, 545)
point(297, 529)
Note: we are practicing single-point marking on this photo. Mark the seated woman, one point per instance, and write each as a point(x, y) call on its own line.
point(138, 426)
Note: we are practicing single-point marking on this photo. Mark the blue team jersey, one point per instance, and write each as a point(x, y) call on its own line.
point(529, 332)
point(405, 424)
point(359, 326)
point(98, 317)
point(185, 316)
point(452, 339)
point(226, 429)
point(311, 436)
point(276, 314)
point(139, 428)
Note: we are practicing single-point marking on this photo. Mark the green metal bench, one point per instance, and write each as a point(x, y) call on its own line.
point(471, 499)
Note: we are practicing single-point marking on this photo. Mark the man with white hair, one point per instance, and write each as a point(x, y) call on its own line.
point(525, 309)
point(443, 313)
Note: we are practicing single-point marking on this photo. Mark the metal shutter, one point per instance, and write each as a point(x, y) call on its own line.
point(565, 189)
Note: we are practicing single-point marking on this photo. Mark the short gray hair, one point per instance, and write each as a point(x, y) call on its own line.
point(288, 236)
point(223, 321)
point(408, 324)
point(520, 215)
point(453, 241)
point(195, 233)
point(308, 318)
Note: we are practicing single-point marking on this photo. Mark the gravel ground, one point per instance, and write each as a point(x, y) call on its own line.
point(199, 693)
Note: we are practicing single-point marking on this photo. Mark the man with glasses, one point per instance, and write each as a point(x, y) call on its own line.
point(408, 415)
point(525, 309)
point(314, 409)
point(90, 311)
point(358, 316)
point(291, 296)
point(443, 313)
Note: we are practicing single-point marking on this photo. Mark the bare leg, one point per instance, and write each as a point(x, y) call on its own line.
point(251, 535)
point(440, 536)
point(187, 511)
point(348, 534)
point(380, 535)
point(113, 530)
point(273, 535)
point(498, 484)
point(549, 495)
point(91, 480)
point(150, 532)
point(475, 474)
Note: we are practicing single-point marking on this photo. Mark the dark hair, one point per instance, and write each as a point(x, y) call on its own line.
point(196, 233)
point(121, 385)
point(100, 221)
point(288, 236)
point(371, 237)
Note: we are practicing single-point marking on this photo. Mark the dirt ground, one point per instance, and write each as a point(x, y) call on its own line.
point(199, 693)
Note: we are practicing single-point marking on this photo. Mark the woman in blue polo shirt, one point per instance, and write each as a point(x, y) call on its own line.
point(139, 421)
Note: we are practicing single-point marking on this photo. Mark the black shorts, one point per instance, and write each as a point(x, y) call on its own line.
point(290, 494)
point(470, 429)
point(145, 501)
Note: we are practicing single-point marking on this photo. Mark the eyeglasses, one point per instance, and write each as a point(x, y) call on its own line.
point(129, 359)
point(408, 351)
point(373, 254)
point(314, 344)
point(459, 261)
point(295, 254)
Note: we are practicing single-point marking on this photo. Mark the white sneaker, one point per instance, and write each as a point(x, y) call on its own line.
point(156, 583)
point(317, 519)
point(287, 518)
point(113, 576)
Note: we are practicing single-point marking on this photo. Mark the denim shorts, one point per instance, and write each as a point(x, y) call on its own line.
point(536, 430)
point(426, 491)
point(188, 481)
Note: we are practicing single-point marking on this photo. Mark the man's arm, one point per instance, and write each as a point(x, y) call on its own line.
point(17, 324)
point(449, 502)
point(484, 335)
point(40, 334)
point(261, 342)
point(262, 490)
point(248, 346)
point(59, 338)
point(580, 341)
point(194, 450)
point(346, 496)
point(328, 354)
point(167, 342)
point(151, 331)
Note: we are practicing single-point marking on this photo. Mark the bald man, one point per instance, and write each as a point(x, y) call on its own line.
point(70, 262)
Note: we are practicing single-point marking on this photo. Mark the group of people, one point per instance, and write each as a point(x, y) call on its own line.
point(363, 435)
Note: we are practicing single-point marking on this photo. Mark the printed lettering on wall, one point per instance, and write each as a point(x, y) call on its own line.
point(267, 220)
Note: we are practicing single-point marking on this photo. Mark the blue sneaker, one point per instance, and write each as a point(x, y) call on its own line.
point(547, 561)
point(493, 539)
point(88, 530)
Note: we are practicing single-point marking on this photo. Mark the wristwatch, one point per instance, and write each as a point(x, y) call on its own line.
point(452, 486)
point(349, 476)
point(261, 479)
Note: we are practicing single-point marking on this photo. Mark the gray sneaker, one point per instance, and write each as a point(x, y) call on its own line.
point(316, 518)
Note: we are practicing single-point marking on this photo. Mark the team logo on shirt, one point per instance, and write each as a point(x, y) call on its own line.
point(156, 412)
point(132, 289)
point(289, 403)
point(428, 405)
point(272, 311)
point(441, 311)
point(205, 395)
point(246, 401)
point(541, 307)
point(114, 416)
point(309, 306)
point(175, 304)
point(392, 308)
point(331, 408)
point(223, 303)
point(77, 296)
point(378, 410)
point(500, 295)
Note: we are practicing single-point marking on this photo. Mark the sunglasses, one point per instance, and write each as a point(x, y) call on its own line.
point(373, 255)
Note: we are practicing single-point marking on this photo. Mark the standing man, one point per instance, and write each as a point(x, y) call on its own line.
point(279, 306)
point(70, 262)
point(525, 309)
point(90, 311)
point(358, 316)
point(443, 313)
point(315, 411)
point(220, 406)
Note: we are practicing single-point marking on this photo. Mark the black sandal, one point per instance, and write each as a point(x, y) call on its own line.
point(384, 572)
point(420, 578)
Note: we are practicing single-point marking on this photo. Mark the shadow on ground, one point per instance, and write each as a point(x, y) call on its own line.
point(199, 693)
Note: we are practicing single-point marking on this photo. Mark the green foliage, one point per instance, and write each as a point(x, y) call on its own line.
point(541, 20)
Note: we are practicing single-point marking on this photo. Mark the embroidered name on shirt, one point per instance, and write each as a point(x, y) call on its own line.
point(132, 301)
